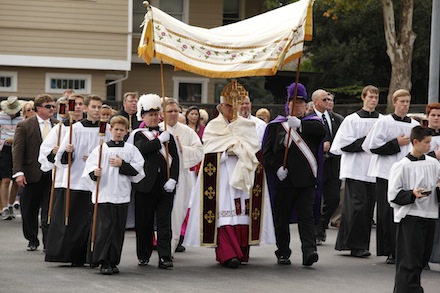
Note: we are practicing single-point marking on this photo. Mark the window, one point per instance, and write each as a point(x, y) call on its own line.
point(191, 89)
point(231, 11)
point(58, 83)
point(114, 88)
point(8, 81)
point(176, 8)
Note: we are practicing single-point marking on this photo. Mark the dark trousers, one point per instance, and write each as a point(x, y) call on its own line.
point(302, 199)
point(148, 205)
point(35, 196)
point(110, 233)
point(330, 192)
point(386, 228)
point(356, 216)
point(414, 239)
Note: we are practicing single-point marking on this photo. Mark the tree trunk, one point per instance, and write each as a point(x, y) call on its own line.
point(400, 45)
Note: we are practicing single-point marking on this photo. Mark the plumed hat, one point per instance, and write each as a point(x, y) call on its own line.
point(147, 103)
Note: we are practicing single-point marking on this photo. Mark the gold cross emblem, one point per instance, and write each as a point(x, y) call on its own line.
point(210, 192)
point(259, 168)
point(256, 190)
point(256, 214)
point(209, 217)
point(210, 169)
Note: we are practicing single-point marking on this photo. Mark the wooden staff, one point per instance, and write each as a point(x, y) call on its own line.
point(102, 128)
point(295, 92)
point(69, 157)
point(61, 111)
point(164, 117)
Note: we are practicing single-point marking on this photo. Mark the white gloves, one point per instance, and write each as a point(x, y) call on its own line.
point(170, 185)
point(282, 173)
point(224, 157)
point(293, 122)
point(164, 136)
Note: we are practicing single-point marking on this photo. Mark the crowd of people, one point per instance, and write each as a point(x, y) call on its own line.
point(180, 179)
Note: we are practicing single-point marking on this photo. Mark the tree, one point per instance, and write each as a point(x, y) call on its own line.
point(359, 42)
point(400, 44)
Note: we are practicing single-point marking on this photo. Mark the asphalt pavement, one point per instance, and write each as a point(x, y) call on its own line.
point(196, 270)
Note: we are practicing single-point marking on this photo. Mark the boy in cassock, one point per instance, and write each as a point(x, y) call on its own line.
point(73, 235)
point(414, 195)
point(121, 164)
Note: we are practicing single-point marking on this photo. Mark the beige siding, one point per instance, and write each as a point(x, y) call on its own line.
point(146, 79)
point(31, 81)
point(253, 7)
point(83, 29)
point(206, 14)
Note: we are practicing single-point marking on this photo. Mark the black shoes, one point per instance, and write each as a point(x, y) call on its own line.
point(310, 258)
point(115, 269)
point(390, 260)
point(165, 263)
point(143, 262)
point(180, 248)
point(31, 247)
point(106, 269)
point(233, 263)
point(283, 260)
point(360, 253)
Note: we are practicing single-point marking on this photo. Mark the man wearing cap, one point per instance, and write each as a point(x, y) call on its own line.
point(221, 199)
point(294, 183)
point(9, 118)
point(29, 135)
point(331, 182)
point(155, 193)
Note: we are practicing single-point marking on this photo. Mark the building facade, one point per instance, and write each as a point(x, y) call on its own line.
point(90, 46)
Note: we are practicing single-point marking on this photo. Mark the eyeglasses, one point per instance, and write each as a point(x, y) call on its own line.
point(49, 106)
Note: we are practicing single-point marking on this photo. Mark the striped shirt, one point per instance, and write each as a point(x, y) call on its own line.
point(7, 127)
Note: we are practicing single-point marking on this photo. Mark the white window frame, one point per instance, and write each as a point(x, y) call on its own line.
point(156, 3)
point(180, 79)
point(51, 75)
point(241, 8)
point(14, 80)
point(185, 12)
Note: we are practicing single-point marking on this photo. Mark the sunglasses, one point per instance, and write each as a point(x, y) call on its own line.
point(49, 106)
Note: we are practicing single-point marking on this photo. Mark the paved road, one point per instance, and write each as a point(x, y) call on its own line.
point(196, 271)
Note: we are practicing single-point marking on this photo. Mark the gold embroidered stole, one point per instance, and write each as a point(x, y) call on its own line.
point(257, 203)
point(209, 199)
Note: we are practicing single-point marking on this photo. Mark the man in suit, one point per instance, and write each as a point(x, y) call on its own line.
point(155, 193)
point(26, 169)
point(295, 183)
point(331, 182)
point(129, 110)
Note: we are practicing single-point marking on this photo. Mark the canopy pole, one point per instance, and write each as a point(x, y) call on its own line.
point(164, 117)
point(295, 92)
